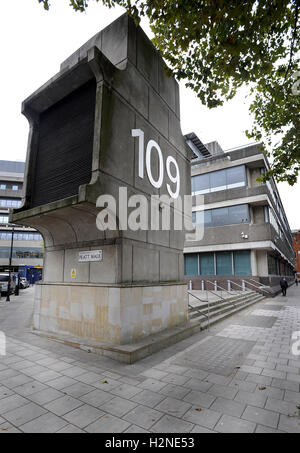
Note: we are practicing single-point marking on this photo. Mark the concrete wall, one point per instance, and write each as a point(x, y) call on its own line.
point(109, 314)
point(132, 92)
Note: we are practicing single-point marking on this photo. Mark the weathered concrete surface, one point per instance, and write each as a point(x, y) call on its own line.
point(119, 77)
point(109, 314)
point(46, 386)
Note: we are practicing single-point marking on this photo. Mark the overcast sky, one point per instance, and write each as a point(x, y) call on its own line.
point(33, 44)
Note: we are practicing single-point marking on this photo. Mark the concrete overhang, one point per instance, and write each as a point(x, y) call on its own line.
point(256, 161)
point(258, 200)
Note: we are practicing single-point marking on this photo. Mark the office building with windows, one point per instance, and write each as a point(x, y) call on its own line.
point(27, 253)
point(246, 231)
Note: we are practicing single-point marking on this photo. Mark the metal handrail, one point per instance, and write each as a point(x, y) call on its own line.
point(198, 309)
point(258, 283)
point(196, 297)
point(234, 283)
point(215, 294)
point(257, 287)
point(218, 286)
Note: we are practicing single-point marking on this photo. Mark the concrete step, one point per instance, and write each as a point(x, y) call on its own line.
point(234, 298)
point(223, 314)
point(222, 311)
point(222, 306)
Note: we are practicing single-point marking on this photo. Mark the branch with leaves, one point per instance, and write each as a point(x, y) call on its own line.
point(217, 46)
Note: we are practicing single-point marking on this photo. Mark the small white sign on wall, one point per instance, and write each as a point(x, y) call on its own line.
point(90, 256)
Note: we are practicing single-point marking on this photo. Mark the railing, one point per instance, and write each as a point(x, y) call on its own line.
point(258, 283)
point(222, 289)
point(198, 309)
point(243, 288)
point(258, 288)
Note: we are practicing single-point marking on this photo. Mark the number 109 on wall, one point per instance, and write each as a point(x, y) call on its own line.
point(152, 146)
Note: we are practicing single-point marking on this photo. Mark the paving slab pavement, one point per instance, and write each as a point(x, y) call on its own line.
point(243, 375)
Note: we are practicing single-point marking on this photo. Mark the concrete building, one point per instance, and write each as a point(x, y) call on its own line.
point(296, 245)
point(246, 231)
point(27, 254)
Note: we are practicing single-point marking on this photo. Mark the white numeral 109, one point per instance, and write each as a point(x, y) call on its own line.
point(151, 147)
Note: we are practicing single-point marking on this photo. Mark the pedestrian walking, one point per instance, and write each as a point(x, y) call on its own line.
point(284, 286)
point(296, 281)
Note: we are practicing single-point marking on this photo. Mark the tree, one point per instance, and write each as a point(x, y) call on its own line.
point(217, 46)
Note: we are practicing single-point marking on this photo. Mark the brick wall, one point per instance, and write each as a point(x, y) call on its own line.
point(296, 245)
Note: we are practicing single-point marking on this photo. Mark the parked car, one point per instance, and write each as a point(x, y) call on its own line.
point(4, 279)
point(24, 283)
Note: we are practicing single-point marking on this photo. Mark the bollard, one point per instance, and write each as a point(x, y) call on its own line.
point(229, 285)
point(244, 285)
point(190, 285)
point(216, 285)
point(202, 286)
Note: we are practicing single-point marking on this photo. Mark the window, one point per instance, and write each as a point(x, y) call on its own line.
point(3, 186)
point(208, 218)
point(200, 184)
point(219, 216)
point(272, 265)
point(238, 214)
point(220, 263)
point(224, 263)
point(15, 187)
point(4, 236)
point(219, 180)
point(10, 203)
point(21, 252)
point(191, 264)
point(3, 218)
point(242, 263)
point(225, 216)
point(207, 264)
point(236, 177)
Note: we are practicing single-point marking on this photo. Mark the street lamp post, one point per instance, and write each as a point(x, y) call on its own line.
point(10, 260)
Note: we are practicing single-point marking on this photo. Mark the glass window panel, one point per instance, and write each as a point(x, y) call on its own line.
point(242, 263)
point(207, 264)
point(194, 217)
point(15, 187)
point(218, 180)
point(272, 265)
point(224, 263)
point(236, 176)
point(239, 214)
point(200, 184)
point(207, 218)
point(219, 216)
point(191, 264)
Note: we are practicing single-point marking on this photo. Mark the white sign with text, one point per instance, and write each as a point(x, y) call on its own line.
point(90, 256)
